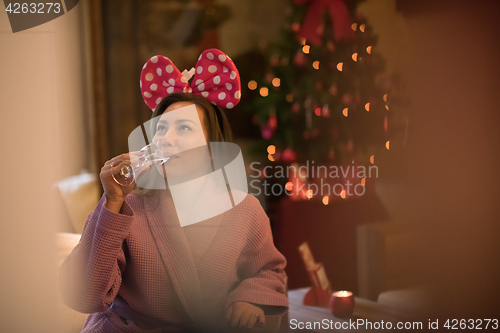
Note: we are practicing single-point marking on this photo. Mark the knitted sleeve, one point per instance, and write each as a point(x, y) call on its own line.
point(260, 267)
point(91, 275)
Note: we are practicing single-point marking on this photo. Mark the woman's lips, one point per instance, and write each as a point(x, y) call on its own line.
point(169, 158)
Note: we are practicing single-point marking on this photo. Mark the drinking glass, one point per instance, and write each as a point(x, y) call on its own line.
point(126, 171)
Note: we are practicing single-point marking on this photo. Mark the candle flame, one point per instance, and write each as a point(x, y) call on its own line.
point(342, 293)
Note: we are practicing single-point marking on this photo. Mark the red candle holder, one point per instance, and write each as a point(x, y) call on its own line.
point(342, 304)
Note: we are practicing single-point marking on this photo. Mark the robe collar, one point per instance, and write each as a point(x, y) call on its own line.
point(175, 251)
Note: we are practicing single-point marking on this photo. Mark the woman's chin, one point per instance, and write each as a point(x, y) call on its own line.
point(170, 168)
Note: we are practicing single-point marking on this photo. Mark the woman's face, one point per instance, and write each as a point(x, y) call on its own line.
point(181, 134)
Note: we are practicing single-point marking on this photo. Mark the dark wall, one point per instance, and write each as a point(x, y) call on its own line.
point(447, 177)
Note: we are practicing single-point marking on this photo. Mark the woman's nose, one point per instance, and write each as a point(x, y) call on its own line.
point(168, 139)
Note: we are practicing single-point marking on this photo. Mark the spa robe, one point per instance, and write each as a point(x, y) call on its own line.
point(140, 271)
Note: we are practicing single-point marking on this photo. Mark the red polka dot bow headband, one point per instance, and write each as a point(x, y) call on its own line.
point(215, 78)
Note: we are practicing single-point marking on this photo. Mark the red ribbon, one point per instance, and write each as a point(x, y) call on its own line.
point(341, 20)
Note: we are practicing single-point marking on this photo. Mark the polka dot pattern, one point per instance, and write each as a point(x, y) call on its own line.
point(216, 78)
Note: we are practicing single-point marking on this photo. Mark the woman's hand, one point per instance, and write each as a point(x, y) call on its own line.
point(244, 315)
point(114, 192)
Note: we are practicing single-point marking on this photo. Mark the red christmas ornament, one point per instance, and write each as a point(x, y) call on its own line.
point(331, 154)
point(350, 147)
point(299, 59)
point(333, 90)
point(288, 155)
point(277, 156)
point(347, 99)
point(273, 122)
point(267, 132)
point(325, 111)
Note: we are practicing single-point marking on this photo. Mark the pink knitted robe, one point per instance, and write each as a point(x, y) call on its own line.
point(167, 276)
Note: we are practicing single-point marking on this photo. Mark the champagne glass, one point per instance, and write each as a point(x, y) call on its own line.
point(125, 172)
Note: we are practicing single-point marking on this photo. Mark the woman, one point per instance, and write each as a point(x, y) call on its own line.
point(136, 269)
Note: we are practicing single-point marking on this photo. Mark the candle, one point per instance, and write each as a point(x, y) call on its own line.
point(342, 304)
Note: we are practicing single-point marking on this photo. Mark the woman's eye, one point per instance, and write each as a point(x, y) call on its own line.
point(184, 128)
point(160, 128)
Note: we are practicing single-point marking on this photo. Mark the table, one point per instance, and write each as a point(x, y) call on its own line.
point(364, 310)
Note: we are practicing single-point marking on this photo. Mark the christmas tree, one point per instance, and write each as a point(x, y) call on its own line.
point(318, 99)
